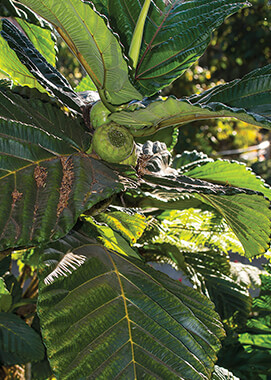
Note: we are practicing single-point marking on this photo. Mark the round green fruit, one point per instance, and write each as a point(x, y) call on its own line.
point(99, 114)
point(112, 142)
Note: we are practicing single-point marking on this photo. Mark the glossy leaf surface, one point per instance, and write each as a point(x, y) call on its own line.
point(11, 66)
point(115, 317)
point(44, 72)
point(46, 183)
point(89, 38)
point(176, 34)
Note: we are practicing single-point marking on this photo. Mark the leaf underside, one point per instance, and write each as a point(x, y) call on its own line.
point(113, 317)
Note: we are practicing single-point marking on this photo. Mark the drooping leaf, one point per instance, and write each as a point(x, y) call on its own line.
point(19, 343)
point(30, 107)
point(249, 218)
point(44, 72)
point(247, 99)
point(11, 67)
point(45, 183)
point(41, 38)
point(231, 300)
point(108, 318)
point(89, 38)
point(246, 211)
point(176, 34)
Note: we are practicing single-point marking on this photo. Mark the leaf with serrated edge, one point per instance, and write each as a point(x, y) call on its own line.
point(176, 34)
point(114, 316)
point(45, 185)
point(247, 99)
point(89, 38)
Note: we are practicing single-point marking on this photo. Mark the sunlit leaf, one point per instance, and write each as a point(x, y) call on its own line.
point(116, 317)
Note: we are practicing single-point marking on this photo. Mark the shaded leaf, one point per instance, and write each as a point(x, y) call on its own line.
point(89, 38)
point(231, 300)
point(19, 343)
point(108, 319)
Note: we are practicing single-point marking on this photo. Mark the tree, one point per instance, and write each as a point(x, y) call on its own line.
point(90, 194)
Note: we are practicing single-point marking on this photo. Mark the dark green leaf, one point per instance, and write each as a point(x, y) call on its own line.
point(115, 317)
point(231, 300)
point(37, 65)
point(30, 107)
point(176, 34)
point(19, 343)
point(45, 183)
point(89, 38)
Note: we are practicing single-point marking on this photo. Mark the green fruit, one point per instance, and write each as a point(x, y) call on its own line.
point(132, 159)
point(112, 142)
point(99, 114)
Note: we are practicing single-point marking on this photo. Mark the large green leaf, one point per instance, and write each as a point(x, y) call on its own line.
point(44, 72)
point(176, 34)
point(229, 173)
point(89, 38)
point(114, 317)
point(19, 343)
point(247, 99)
point(246, 211)
point(29, 106)
point(45, 182)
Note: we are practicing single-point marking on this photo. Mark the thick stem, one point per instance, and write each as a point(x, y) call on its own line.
point(138, 33)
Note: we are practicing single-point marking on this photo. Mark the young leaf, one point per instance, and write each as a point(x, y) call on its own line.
point(89, 38)
point(19, 343)
point(176, 34)
point(247, 99)
point(115, 317)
